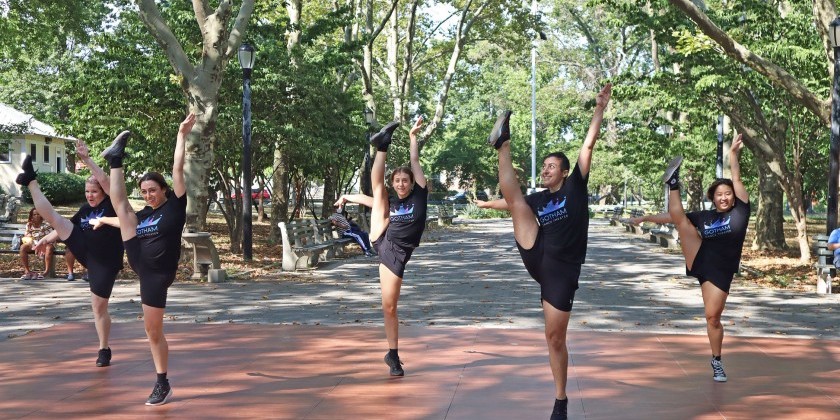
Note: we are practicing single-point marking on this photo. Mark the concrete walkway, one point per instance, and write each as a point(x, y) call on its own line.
point(469, 275)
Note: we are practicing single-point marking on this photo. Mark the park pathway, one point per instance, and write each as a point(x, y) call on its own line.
point(310, 346)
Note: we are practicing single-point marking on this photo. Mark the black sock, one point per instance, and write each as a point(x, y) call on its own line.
point(716, 357)
point(392, 353)
point(115, 162)
point(383, 147)
point(161, 379)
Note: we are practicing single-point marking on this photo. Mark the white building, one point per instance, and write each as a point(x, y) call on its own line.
point(47, 147)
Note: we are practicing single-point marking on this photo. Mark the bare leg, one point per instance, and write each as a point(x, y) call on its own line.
point(390, 285)
point(101, 319)
point(689, 237)
point(24, 257)
point(61, 225)
point(69, 260)
point(525, 225)
point(153, 321)
point(714, 301)
point(379, 213)
point(119, 199)
point(556, 325)
point(48, 258)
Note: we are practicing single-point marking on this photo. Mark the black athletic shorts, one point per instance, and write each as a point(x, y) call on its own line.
point(558, 279)
point(704, 269)
point(391, 255)
point(153, 283)
point(101, 273)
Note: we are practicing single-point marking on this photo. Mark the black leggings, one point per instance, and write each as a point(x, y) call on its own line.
point(154, 283)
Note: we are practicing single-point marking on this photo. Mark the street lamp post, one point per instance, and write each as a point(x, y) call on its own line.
point(533, 106)
point(719, 159)
point(246, 62)
point(834, 148)
point(668, 130)
point(364, 183)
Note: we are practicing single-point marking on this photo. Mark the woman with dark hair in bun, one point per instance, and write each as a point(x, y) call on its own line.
point(711, 241)
point(152, 239)
point(396, 226)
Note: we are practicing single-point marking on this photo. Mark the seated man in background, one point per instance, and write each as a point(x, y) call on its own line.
point(348, 228)
point(834, 245)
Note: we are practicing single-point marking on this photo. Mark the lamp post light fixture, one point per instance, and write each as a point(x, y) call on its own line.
point(246, 63)
point(834, 148)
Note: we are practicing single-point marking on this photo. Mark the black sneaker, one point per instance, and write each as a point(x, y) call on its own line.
point(671, 177)
point(717, 371)
point(117, 148)
point(160, 395)
point(560, 409)
point(501, 130)
point(382, 139)
point(395, 364)
point(28, 175)
point(104, 358)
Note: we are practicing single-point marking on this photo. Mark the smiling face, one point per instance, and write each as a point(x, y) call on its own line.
point(723, 198)
point(552, 174)
point(152, 193)
point(402, 184)
point(35, 218)
point(93, 193)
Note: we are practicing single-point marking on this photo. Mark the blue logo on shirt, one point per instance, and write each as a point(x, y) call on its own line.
point(553, 211)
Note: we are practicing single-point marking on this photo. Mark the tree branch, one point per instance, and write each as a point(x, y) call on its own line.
point(239, 27)
point(151, 17)
point(774, 73)
point(201, 10)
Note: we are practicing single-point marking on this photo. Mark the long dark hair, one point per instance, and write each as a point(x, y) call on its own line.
point(402, 169)
point(710, 193)
point(157, 178)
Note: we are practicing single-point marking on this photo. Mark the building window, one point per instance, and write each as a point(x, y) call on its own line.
point(5, 151)
point(46, 153)
point(33, 151)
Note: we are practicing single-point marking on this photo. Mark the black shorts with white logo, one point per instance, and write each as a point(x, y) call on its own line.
point(558, 279)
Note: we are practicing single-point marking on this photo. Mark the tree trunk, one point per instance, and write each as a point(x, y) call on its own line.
point(769, 226)
point(200, 85)
point(280, 195)
point(330, 181)
point(694, 192)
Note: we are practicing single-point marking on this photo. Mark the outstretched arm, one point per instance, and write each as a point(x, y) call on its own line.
point(585, 156)
point(659, 219)
point(101, 177)
point(414, 150)
point(735, 168)
point(362, 199)
point(499, 204)
point(179, 185)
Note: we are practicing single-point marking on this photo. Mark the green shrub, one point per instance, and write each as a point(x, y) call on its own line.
point(60, 189)
point(474, 212)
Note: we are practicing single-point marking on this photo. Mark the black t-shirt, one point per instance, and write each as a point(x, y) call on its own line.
point(104, 244)
point(408, 217)
point(159, 231)
point(564, 218)
point(723, 233)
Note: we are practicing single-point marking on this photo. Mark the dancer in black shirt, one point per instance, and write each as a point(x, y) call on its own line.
point(550, 228)
point(152, 238)
point(711, 241)
point(100, 251)
point(396, 226)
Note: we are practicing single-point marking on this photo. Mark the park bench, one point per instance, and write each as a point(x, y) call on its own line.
point(665, 235)
point(326, 233)
point(9, 230)
point(308, 241)
point(205, 257)
point(440, 214)
point(617, 213)
point(824, 265)
point(10, 207)
point(630, 227)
